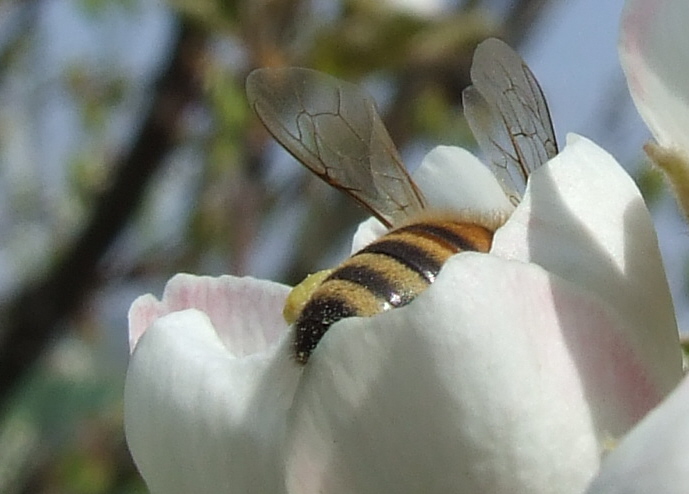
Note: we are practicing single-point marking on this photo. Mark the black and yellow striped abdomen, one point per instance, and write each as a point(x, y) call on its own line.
point(388, 273)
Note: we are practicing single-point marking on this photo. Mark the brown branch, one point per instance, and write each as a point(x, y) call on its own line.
point(33, 319)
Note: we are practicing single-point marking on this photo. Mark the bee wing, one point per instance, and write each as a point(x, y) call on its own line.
point(508, 114)
point(333, 128)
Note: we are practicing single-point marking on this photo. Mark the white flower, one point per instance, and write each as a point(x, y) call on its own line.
point(654, 37)
point(511, 373)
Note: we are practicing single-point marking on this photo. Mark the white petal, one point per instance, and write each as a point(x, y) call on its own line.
point(653, 456)
point(453, 179)
point(499, 378)
point(200, 417)
point(653, 51)
point(583, 218)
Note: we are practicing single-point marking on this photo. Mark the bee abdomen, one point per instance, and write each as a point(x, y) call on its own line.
point(388, 273)
point(425, 246)
point(315, 319)
point(364, 285)
point(377, 282)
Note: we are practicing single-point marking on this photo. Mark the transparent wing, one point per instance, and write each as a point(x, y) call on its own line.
point(508, 114)
point(333, 128)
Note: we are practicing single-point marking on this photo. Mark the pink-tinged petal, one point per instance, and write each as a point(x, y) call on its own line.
point(198, 418)
point(583, 219)
point(247, 313)
point(653, 51)
point(499, 378)
point(653, 456)
point(453, 179)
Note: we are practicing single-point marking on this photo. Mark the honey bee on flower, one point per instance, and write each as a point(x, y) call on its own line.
point(333, 128)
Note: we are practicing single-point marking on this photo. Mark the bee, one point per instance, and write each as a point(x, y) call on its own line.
point(333, 128)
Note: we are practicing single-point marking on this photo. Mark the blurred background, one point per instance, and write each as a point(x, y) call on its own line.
point(128, 154)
